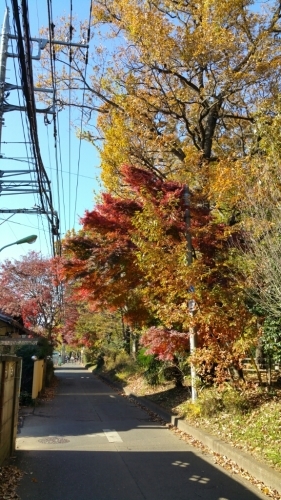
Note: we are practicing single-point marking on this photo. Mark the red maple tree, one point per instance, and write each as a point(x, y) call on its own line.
point(132, 256)
point(29, 289)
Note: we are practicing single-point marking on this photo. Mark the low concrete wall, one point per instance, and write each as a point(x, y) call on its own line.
point(38, 377)
point(10, 376)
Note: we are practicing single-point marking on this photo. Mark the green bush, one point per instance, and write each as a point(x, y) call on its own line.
point(25, 399)
point(214, 401)
point(153, 373)
point(174, 374)
point(26, 352)
point(144, 360)
point(117, 360)
point(210, 402)
point(41, 350)
point(49, 371)
point(234, 401)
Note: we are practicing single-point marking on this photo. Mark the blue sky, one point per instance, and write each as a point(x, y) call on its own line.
point(72, 194)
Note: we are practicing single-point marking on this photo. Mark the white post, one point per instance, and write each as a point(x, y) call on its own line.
point(192, 333)
point(192, 343)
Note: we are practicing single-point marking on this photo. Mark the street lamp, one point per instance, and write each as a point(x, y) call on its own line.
point(28, 239)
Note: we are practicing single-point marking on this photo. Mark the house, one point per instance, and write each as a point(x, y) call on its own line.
point(13, 334)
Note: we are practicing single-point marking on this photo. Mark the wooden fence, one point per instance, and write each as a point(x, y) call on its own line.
point(10, 376)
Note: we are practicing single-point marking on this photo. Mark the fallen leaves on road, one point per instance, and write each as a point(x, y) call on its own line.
point(49, 392)
point(9, 478)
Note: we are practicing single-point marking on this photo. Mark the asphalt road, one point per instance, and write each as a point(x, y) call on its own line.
point(91, 443)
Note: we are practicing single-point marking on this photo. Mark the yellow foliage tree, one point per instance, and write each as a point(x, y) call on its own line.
point(176, 84)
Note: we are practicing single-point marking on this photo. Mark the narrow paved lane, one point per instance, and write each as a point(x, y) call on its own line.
point(89, 442)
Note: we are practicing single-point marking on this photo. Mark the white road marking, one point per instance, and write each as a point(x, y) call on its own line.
point(112, 436)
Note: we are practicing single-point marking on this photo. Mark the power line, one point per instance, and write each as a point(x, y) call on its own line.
point(69, 114)
point(5, 220)
point(30, 128)
point(82, 115)
point(51, 28)
point(26, 142)
point(19, 223)
point(25, 63)
point(60, 171)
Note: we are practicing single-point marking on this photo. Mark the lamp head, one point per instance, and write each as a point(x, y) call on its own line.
point(28, 239)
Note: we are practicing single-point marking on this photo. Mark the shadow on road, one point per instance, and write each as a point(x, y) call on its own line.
point(148, 475)
point(65, 452)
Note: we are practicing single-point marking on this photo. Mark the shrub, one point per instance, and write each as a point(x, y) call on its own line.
point(26, 352)
point(25, 399)
point(190, 409)
point(41, 350)
point(214, 401)
point(153, 372)
point(210, 402)
point(173, 373)
point(234, 401)
point(100, 361)
point(118, 361)
point(49, 371)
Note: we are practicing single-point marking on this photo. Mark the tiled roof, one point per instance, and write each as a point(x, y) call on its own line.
point(11, 321)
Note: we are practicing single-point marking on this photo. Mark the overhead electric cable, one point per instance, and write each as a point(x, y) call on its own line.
point(24, 225)
point(32, 111)
point(61, 171)
point(46, 191)
point(51, 28)
point(11, 229)
point(83, 101)
point(69, 115)
point(5, 220)
point(24, 128)
point(25, 62)
point(21, 112)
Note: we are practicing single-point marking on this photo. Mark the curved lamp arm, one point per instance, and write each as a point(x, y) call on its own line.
point(28, 239)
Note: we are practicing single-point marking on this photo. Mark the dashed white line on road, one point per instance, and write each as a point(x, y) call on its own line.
point(112, 436)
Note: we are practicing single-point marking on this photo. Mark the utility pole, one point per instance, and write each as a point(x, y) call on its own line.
point(192, 333)
point(3, 62)
point(25, 54)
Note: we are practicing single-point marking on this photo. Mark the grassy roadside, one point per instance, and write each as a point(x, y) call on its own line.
point(248, 418)
point(250, 421)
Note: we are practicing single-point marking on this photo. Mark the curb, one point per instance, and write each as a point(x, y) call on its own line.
point(258, 470)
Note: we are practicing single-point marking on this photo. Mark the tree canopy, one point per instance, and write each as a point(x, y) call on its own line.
point(182, 95)
point(174, 83)
point(29, 289)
